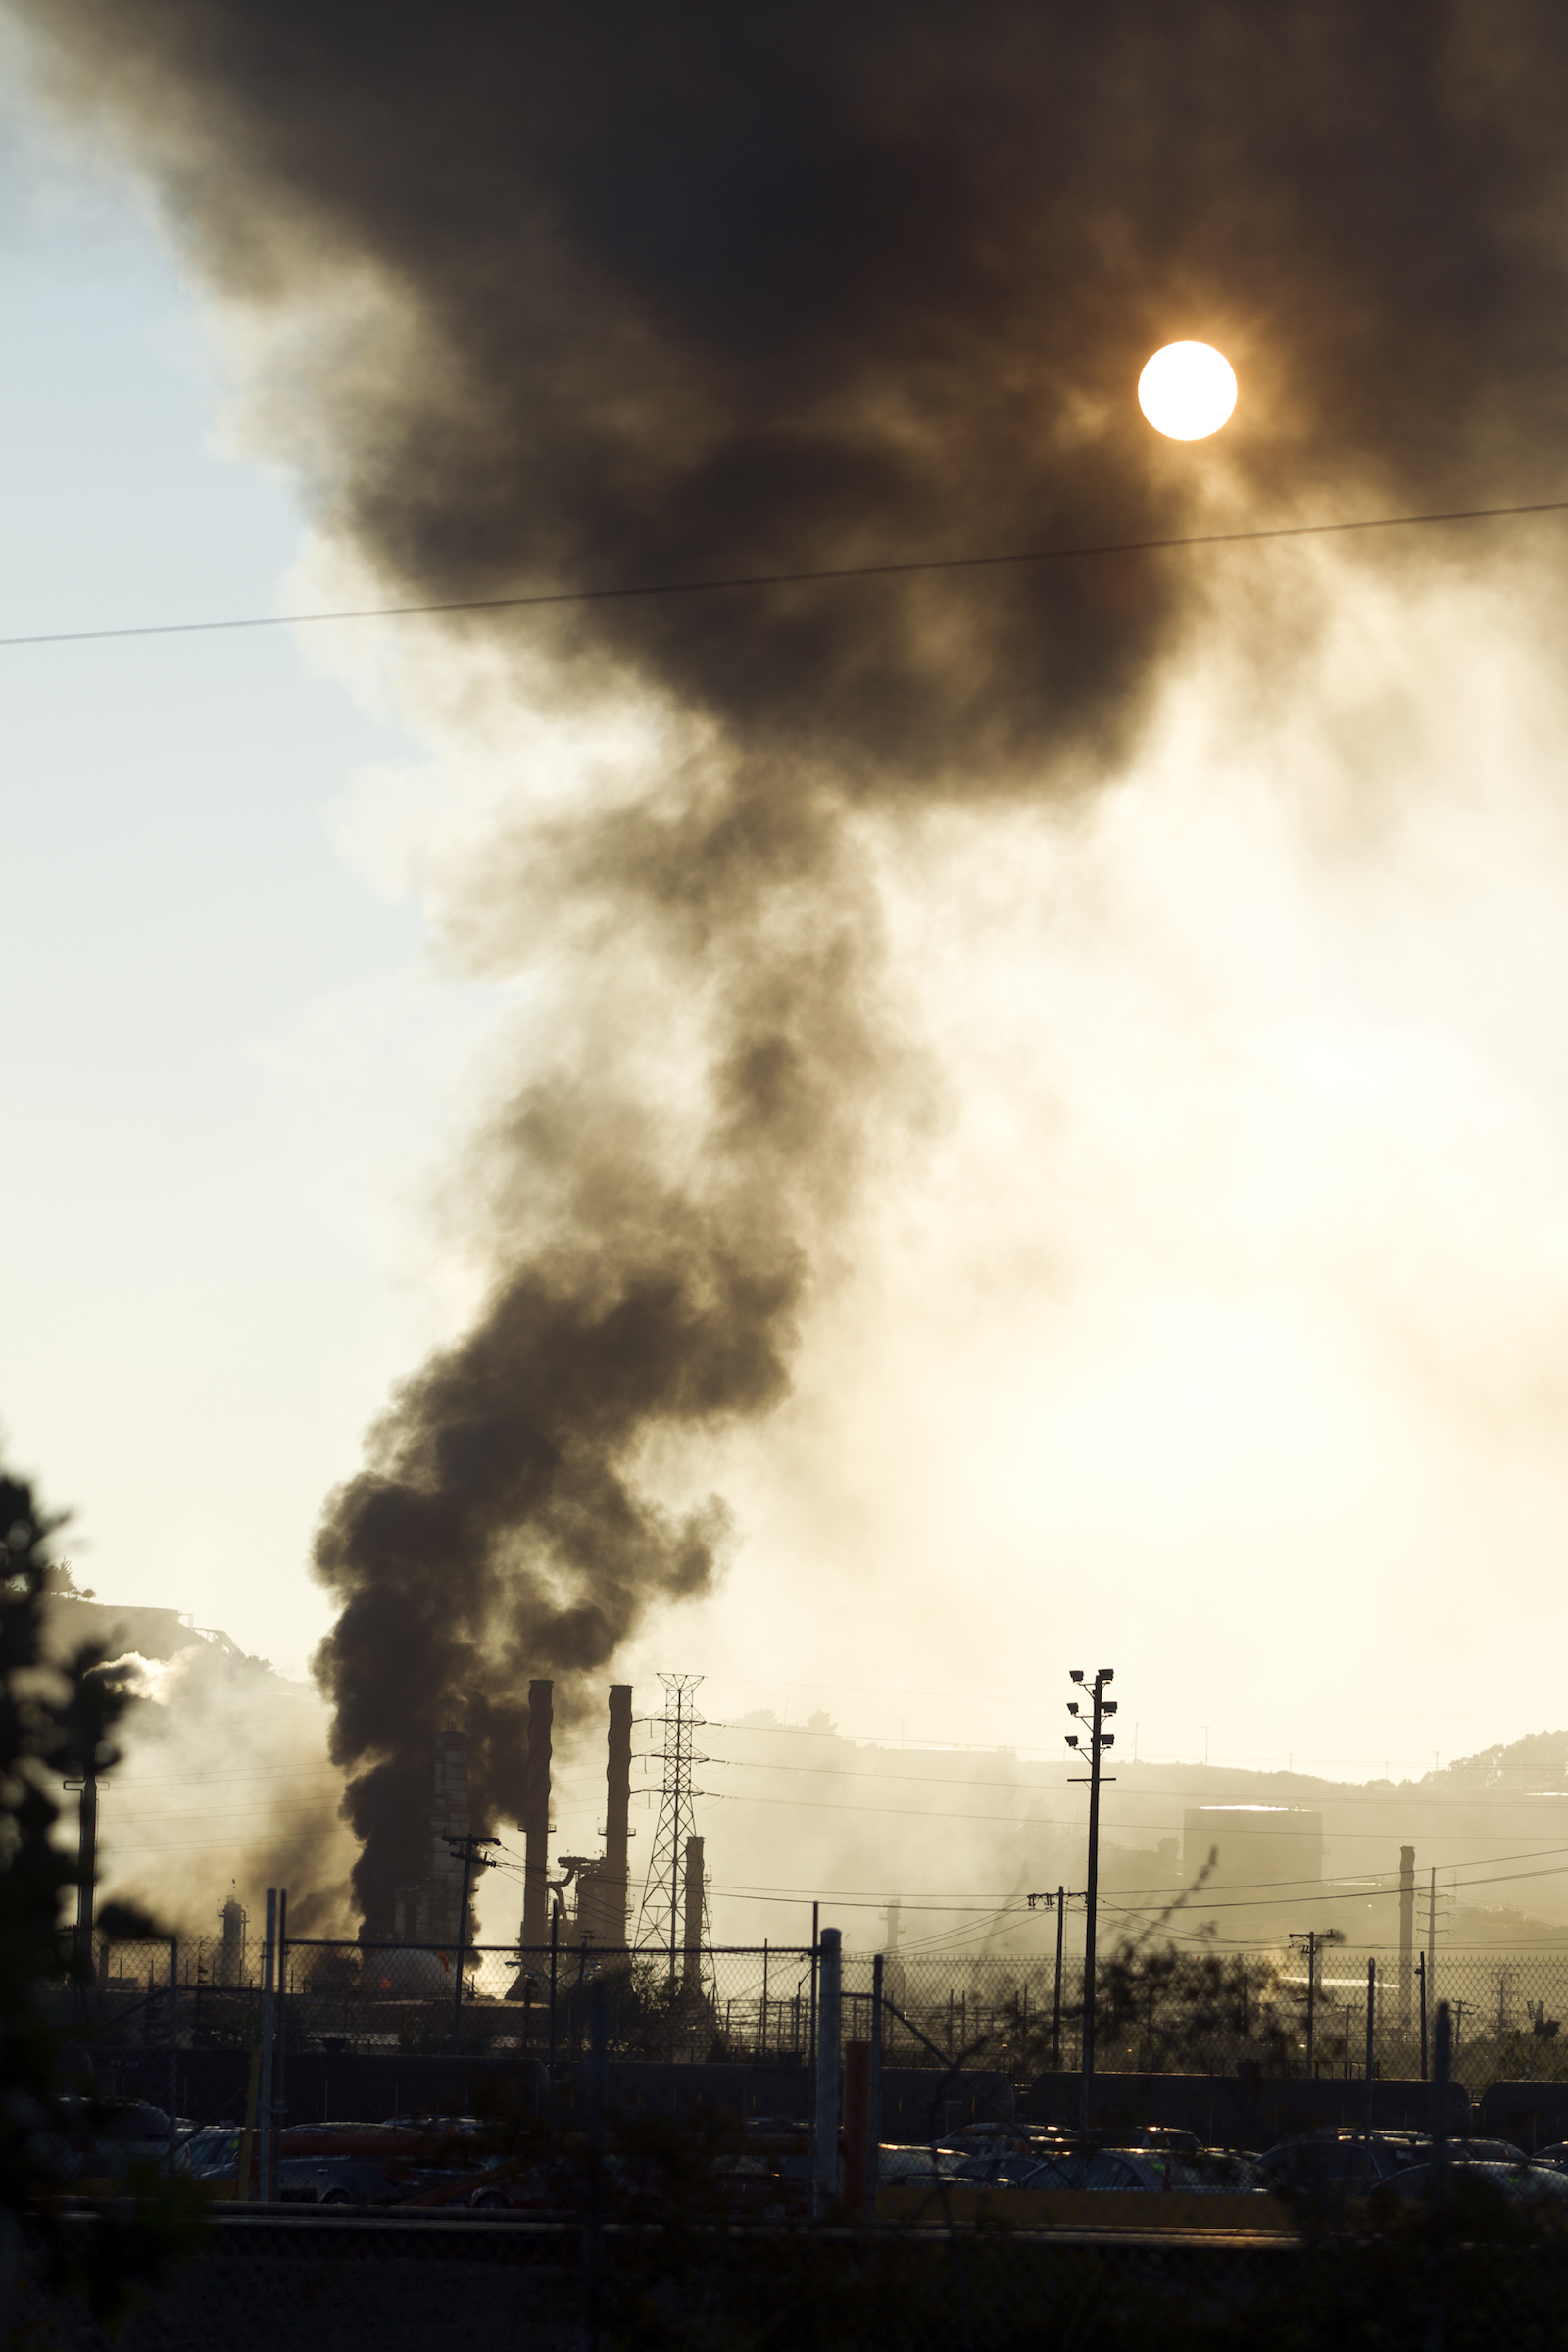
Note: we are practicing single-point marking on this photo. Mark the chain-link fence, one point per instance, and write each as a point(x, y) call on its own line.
point(1157, 2010)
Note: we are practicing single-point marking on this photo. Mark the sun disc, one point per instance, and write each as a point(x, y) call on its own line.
point(1188, 391)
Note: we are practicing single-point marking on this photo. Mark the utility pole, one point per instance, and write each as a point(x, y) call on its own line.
point(1309, 1937)
point(466, 1850)
point(1056, 1902)
point(1406, 1931)
point(1098, 1740)
point(1313, 1940)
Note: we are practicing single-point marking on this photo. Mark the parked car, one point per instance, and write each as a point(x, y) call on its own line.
point(1015, 2170)
point(320, 2163)
point(96, 2142)
point(1208, 2173)
point(1150, 2136)
point(1346, 2162)
point(342, 2180)
point(983, 2140)
point(211, 2154)
point(920, 2164)
point(1521, 2183)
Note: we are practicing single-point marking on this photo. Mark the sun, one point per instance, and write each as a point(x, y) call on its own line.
point(1188, 391)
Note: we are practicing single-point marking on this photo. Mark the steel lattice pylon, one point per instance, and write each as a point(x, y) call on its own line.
point(659, 1926)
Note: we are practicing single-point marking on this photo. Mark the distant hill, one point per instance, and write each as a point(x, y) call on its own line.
point(225, 1780)
point(1538, 1761)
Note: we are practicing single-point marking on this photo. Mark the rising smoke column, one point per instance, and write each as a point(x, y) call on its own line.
point(661, 294)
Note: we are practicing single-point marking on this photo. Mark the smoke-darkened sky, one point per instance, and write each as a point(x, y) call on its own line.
point(619, 296)
point(701, 291)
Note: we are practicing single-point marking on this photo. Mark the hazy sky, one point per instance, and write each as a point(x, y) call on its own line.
point(227, 1070)
point(1206, 1313)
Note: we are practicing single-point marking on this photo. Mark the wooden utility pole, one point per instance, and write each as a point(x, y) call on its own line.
point(1098, 1740)
point(1313, 1940)
point(1056, 1902)
point(1406, 1934)
point(467, 1852)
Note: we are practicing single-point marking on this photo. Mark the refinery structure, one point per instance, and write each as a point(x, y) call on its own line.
point(581, 1899)
point(948, 1838)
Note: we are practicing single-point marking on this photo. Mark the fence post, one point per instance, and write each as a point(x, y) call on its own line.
point(555, 1954)
point(1441, 2065)
point(857, 2160)
point(247, 2139)
point(598, 2075)
point(1371, 1996)
point(173, 2051)
point(1421, 1973)
point(264, 2116)
point(874, 2157)
point(280, 2089)
point(1437, 2172)
point(825, 2115)
point(810, 2039)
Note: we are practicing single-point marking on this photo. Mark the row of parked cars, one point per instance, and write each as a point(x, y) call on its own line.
point(1343, 2161)
point(446, 2163)
point(97, 2146)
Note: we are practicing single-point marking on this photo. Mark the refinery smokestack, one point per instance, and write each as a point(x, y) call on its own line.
point(536, 1818)
point(617, 1811)
point(694, 1915)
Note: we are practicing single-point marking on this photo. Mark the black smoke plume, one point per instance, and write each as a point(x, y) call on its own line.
point(666, 292)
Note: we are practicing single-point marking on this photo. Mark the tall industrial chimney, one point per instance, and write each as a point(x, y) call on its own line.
point(536, 1818)
point(618, 1810)
point(694, 1915)
point(1407, 1929)
point(449, 1817)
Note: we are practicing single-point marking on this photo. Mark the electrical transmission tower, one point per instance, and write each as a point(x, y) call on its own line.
point(660, 1926)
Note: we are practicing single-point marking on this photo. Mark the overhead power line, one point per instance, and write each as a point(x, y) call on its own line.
point(625, 592)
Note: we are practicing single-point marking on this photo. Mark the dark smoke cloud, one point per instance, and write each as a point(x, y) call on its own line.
point(700, 289)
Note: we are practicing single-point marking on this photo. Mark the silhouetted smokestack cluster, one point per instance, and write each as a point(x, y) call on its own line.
point(621, 295)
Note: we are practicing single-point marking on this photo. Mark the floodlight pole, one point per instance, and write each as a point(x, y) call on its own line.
point(1098, 1740)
